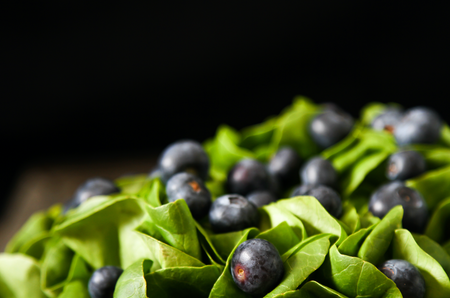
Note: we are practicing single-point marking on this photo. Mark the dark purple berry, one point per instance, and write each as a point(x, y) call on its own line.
point(318, 171)
point(103, 281)
point(404, 165)
point(418, 126)
point(261, 198)
point(330, 127)
point(387, 120)
point(406, 276)
point(284, 166)
point(249, 175)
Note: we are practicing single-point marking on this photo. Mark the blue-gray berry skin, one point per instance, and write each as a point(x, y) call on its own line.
point(387, 120)
point(415, 211)
point(103, 281)
point(329, 199)
point(190, 188)
point(284, 166)
point(419, 125)
point(261, 198)
point(232, 212)
point(318, 171)
point(256, 267)
point(406, 276)
point(183, 156)
point(92, 187)
point(301, 190)
point(404, 165)
point(249, 175)
point(330, 127)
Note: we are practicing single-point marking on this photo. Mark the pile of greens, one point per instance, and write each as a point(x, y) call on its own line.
point(166, 253)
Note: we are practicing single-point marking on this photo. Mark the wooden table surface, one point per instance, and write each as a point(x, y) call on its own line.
point(41, 185)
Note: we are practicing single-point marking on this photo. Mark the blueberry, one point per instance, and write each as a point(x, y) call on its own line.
point(261, 198)
point(301, 190)
point(103, 281)
point(405, 164)
point(406, 276)
point(318, 171)
point(387, 120)
point(330, 127)
point(232, 212)
point(90, 188)
point(249, 175)
point(191, 189)
point(418, 126)
point(256, 267)
point(184, 156)
point(329, 199)
point(415, 212)
point(284, 166)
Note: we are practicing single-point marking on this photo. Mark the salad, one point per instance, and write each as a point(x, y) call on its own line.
point(328, 215)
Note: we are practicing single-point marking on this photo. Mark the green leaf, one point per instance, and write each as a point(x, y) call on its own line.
point(175, 224)
point(352, 244)
point(35, 247)
point(301, 264)
point(370, 111)
point(225, 243)
point(273, 214)
point(354, 277)
point(131, 185)
point(182, 281)
point(437, 225)
point(225, 286)
point(445, 135)
point(281, 236)
point(350, 217)
point(314, 289)
point(434, 250)
point(377, 243)
point(19, 276)
point(435, 156)
point(348, 142)
point(207, 245)
point(101, 230)
point(132, 282)
point(153, 192)
point(436, 280)
point(313, 216)
point(257, 135)
point(75, 289)
point(433, 185)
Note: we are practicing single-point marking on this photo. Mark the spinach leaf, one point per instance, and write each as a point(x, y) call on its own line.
point(314, 289)
point(225, 286)
point(352, 244)
point(438, 223)
point(226, 242)
point(301, 264)
point(182, 281)
point(435, 156)
point(354, 277)
point(153, 192)
point(434, 250)
point(19, 276)
point(436, 280)
point(348, 142)
point(101, 230)
point(131, 185)
point(132, 282)
point(257, 135)
point(445, 135)
point(35, 247)
point(214, 256)
point(313, 216)
point(273, 214)
point(75, 289)
point(175, 224)
point(281, 236)
point(370, 111)
point(350, 217)
point(378, 241)
point(433, 185)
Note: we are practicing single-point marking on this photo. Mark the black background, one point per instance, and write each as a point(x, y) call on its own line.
point(96, 81)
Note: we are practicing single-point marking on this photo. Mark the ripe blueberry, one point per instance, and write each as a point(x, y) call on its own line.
point(415, 212)
point(387, 120)
point(184, 156)
point(261, 198)
point(405, 164)
point(418, 126)
point(284, 166)
point(330, 127)
point(406, 276)
point(103, 281)
point(329, 199)
point(232, 212)
point(318, 171)
point(249, 175)
point(191, 189)
point(256, 267)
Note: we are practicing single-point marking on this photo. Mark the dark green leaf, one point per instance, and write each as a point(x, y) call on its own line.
point(273, 214)
point(132, 282)
point(301, 264)
point(445, 135)
point(350, 217)
point(352, 244)
point(182, 281)
point(436, 280)
point(435, 250)
point(225, 286)
point(212, 253)
point(378, 241)
point(435, 156)
point(226, 242)
point(317, 290)
point(257, 135)
point(433, 186)
point(281, 236)
point(313, 216)
point(19, 276)
point(75, 289)
point(348, 142)
point(437, 226)
point(354, 277)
